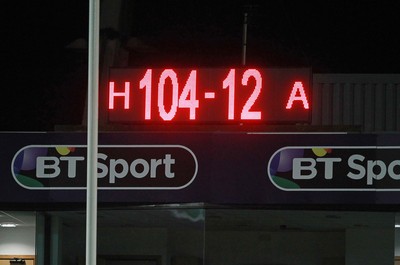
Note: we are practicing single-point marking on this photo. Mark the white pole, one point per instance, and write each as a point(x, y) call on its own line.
point(92, 132)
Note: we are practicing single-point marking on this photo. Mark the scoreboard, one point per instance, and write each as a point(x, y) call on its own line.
point(209, 95)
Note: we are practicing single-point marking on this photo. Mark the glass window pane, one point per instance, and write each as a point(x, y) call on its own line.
point(254, 237)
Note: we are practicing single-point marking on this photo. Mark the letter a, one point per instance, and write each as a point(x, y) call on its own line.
point(297, 88)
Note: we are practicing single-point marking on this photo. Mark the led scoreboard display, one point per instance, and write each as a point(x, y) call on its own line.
point(209, 95)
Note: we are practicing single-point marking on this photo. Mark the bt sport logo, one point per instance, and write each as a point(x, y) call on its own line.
point(119, 167)
point(335, 168)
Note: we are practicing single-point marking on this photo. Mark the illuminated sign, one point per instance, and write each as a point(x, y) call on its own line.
point(157, 167)
point(335, 168)
point(208, 95)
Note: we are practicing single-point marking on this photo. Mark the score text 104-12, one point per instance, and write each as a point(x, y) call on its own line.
point(209, 95)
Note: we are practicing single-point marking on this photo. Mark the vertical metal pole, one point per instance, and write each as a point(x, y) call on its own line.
point(92, 132)
point(244, 39)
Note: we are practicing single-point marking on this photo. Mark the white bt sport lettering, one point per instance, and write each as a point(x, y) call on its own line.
point(359, 168)
point(373, 170)
point(50, 167)
point(304, 168)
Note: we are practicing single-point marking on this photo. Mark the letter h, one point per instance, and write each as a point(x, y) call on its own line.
point(113, 94)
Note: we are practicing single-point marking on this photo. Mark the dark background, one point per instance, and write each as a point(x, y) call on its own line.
point(45, 83)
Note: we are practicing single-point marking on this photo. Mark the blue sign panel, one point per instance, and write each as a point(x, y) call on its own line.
point(218, 168)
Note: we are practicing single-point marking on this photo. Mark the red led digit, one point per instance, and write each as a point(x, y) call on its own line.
point(112, 94)
point(247, 114)
point(146, 83)
point(229, 83)
point(297, 89)
point(168, 73)
point(188, 96)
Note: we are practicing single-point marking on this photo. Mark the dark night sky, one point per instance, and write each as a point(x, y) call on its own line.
point(46, 84)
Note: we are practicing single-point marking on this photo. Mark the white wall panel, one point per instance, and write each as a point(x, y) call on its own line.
point(369, 101)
